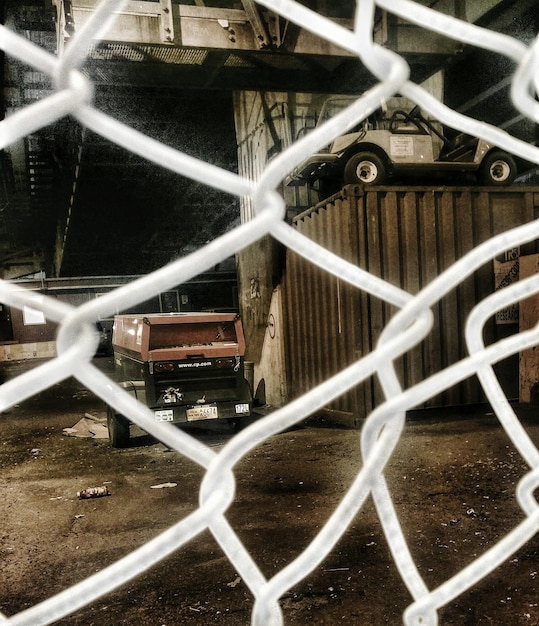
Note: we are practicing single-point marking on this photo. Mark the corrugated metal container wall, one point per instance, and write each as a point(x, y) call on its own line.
point(406, 236)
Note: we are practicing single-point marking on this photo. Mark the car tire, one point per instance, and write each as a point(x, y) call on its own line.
point(498, 168)
point(118, 427)
point(366, 168)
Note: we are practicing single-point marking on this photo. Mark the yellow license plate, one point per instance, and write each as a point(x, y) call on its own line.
point(202, 412)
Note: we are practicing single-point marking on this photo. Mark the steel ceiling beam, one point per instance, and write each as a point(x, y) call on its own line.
point(259, 25)
point(248, 29)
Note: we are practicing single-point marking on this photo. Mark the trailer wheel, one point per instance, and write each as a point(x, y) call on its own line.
point(118, 427)
point(366, 168)
point(498, 168)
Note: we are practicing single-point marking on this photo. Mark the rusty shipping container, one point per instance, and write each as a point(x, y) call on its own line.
point(407, 236)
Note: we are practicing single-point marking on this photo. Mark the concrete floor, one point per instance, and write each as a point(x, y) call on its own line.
point(452, 478)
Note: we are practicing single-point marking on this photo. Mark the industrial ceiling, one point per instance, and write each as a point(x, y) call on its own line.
point(74, 204)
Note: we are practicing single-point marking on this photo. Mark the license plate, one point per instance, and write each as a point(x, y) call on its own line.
point(166, 415)
point(202, 412)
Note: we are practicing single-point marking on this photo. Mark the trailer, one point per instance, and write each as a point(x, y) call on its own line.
point(186, 367)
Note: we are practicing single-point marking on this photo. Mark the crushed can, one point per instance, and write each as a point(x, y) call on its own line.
point(93, 492)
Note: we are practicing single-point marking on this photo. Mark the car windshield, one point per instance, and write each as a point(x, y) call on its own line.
point(333, 106)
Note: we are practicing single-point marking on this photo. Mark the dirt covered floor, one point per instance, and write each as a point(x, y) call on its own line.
point(452, 478)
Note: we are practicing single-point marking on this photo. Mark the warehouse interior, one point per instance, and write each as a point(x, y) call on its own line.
point(381, 464)
point(74, 204)
point(232, 84)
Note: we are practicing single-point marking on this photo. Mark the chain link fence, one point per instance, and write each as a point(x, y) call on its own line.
point(76, 340)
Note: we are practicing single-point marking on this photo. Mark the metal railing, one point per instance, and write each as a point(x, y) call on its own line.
point(76, 341)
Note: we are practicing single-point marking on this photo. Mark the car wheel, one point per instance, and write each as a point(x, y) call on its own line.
point(118, 427)
point(366, 168)
point(498, 168)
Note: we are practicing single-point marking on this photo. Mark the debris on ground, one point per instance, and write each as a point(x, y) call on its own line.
point(164, 485)
point(89, 426)
point(93, 492)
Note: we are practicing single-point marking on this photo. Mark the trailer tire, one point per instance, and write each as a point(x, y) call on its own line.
point(118, 427)
point(366, 168)
point(498, 168)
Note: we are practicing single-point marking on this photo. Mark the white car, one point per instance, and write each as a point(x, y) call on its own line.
point(399, 139)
